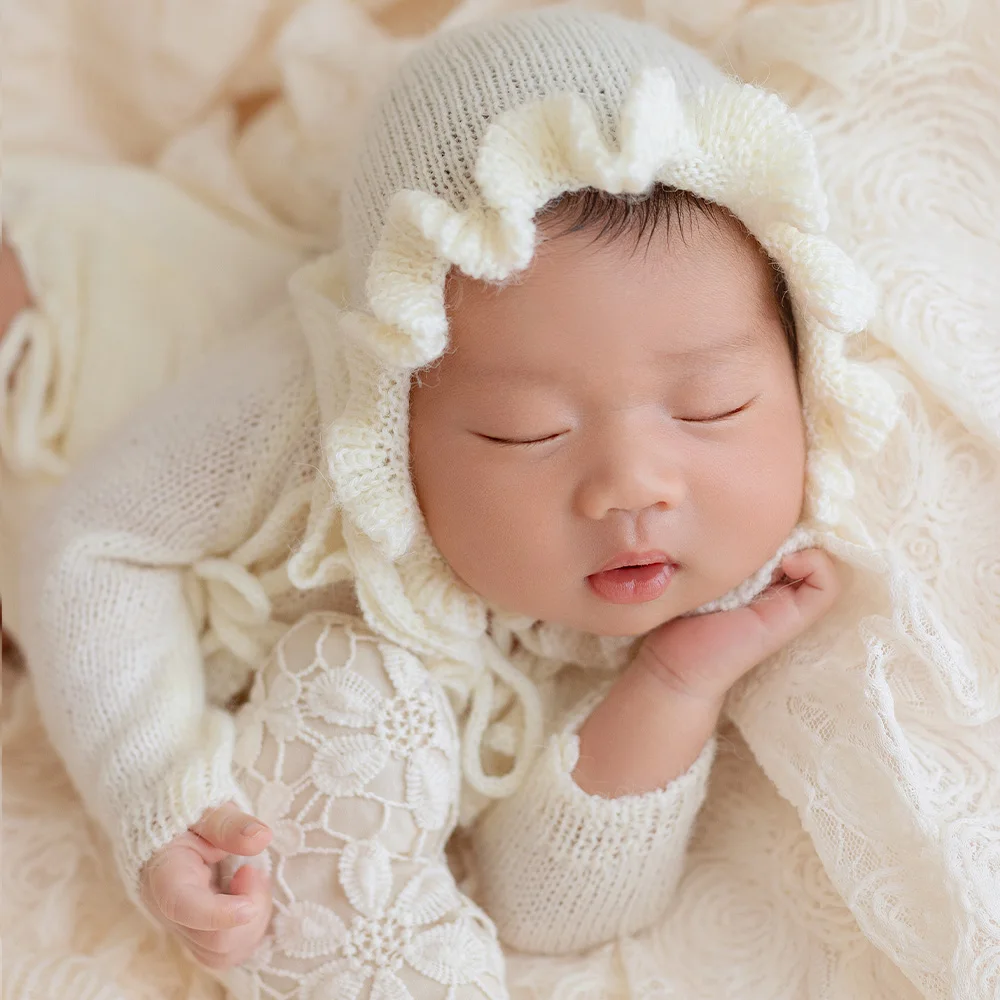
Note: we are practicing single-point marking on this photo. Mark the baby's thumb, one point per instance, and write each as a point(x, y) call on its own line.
point(250, 881)
point(232, 830)
point(255, 885)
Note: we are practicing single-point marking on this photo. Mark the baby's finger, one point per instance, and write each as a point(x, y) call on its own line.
point(256, 885)
point(233, 830)
point(239, 943)
point(816, 582)
point(812, 567)
point(253, 883)
point(198, 907)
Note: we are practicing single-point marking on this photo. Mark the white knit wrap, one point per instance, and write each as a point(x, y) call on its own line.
point(481, 128)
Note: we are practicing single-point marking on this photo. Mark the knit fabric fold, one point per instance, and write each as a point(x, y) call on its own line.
point(562, 871)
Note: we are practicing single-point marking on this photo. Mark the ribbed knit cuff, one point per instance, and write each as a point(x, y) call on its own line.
point(637, 825)
point(175, 802)
point(563, 870)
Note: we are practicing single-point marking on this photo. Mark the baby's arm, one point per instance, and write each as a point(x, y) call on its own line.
point(592, 845)
point(108, 635)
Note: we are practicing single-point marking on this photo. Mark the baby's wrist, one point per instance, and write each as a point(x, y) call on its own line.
point(685, 691)
point(643, 736)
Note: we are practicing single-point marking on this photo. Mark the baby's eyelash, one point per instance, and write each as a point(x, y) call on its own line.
point(719, 416)
point(530, 442)
point(511, 442)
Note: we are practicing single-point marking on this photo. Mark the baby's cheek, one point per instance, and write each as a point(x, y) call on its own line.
point(468, 512)
point(779, 494)
point(750, 499)
point(506, 549)
point(502, 516)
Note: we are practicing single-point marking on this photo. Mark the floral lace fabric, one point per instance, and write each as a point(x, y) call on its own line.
point(349, 751)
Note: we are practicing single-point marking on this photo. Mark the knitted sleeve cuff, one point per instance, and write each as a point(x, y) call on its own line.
point(172, 803)
point(637, 823)
point(563, 870)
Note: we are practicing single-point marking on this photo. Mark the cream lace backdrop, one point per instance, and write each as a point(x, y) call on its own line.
point(902, 98)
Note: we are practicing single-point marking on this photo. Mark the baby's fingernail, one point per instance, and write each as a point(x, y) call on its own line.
point(252, 829)
point(244, 912)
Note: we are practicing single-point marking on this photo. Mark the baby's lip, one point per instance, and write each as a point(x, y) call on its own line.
point(636, 559)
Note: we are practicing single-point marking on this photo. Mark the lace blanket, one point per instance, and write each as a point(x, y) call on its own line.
point(851, 842)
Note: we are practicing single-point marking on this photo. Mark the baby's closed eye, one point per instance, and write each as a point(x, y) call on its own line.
point(522, 441)
point(715, 415)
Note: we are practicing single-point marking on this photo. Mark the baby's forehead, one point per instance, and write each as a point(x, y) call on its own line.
point(578, 344)
point(711, 272)
point(689, 288)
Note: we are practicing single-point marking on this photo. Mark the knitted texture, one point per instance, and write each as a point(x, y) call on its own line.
point(847, 843)
point(153, 759)
point(425, 133)
point(113, 219)
point(544, 855)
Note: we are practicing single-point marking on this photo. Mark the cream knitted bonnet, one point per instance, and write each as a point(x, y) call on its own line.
point(479, 130)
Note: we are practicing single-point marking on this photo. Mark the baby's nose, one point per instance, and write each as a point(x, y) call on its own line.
point(630, 483)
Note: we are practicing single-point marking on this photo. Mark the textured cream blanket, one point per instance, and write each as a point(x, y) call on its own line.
point(851, 843)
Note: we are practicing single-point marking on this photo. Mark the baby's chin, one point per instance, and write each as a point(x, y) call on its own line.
point(637, 622)
point(613, 621)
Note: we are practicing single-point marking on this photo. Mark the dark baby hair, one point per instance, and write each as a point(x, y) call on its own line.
point(612, 217)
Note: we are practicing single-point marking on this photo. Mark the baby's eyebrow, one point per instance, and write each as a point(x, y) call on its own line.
point(492, 375)
point(742, 345)
point(745, 342)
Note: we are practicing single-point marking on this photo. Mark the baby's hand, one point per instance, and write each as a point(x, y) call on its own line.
point(703, 657)
point(658, 715)
point(220, 929)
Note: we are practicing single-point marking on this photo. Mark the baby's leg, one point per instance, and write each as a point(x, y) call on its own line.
point(348, 749)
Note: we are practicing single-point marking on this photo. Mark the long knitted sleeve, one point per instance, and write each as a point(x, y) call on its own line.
point(110, 640)
point(562, 870)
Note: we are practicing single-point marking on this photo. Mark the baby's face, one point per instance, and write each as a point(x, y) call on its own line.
point(613, 408)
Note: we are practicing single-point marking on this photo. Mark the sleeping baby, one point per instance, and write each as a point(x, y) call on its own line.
point(476, 533)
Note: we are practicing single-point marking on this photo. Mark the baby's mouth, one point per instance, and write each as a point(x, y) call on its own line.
point(631, 560)
point(633, 578)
